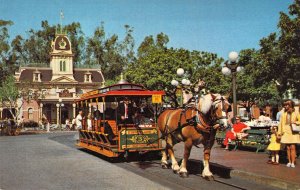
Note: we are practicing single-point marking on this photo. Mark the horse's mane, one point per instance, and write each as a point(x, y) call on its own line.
point(205, 103)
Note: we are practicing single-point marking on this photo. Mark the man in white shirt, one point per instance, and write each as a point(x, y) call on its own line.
point(79, 120)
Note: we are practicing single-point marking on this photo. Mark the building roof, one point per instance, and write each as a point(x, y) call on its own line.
point(26, 74)
point(79, 75)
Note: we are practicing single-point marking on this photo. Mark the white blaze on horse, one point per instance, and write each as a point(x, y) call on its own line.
point(193, 125)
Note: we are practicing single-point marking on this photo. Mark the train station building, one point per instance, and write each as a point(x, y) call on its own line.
point(58, 85)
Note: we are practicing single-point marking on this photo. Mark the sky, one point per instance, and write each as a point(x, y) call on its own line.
point(216, 26)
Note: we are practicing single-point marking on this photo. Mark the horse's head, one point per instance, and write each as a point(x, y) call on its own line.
point(217, 105)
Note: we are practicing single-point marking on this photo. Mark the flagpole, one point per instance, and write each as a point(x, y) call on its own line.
point(61, 18)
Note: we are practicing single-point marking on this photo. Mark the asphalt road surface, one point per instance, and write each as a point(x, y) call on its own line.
point(52, 161)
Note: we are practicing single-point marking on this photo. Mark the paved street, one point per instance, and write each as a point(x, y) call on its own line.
point(36, 162)
point(51, 161)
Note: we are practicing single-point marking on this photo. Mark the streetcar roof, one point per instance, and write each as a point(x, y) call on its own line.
point(120, 90)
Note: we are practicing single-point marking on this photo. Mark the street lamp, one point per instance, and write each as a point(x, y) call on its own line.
point(60, 105)
point(1, 110)
point(232, 67)
point(184, 82)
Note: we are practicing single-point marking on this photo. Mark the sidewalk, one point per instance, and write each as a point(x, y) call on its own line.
point(247, 164)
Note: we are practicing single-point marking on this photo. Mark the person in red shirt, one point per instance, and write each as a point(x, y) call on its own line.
point(237, 130)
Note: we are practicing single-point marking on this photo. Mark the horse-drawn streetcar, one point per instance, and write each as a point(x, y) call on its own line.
point(123, 120)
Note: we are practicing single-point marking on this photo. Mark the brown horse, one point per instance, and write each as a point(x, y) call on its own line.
point(193, 125)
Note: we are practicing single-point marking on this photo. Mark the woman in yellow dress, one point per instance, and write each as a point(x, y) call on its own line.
point(274, 146)
point(290, 139)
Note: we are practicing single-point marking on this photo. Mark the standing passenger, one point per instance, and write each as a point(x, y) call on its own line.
point(125, 111)
point(89, 122)
point(79, 118)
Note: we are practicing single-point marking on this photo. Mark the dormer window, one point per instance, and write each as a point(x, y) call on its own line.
point(62, 66)
point(36, 76)
point(87, 77)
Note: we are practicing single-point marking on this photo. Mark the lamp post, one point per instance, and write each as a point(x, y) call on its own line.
point(1, 110)
point(60, 105)
point(232, 67)
point(184, 82)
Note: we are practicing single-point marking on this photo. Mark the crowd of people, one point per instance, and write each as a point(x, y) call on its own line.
point(126, 112)
point(281, 135)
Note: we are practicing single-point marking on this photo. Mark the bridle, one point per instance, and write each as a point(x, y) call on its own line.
point(213, 114)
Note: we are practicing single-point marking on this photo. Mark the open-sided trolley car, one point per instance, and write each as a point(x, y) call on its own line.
point(110, 135)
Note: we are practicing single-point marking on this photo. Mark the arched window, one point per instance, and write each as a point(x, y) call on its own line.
point(30, 114)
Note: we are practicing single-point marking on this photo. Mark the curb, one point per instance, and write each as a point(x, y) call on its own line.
point(266, 180)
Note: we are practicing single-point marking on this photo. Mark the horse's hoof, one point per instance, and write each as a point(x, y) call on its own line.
point(176, 171)
point(209, 178)
point(164, 166)
point(184, 174)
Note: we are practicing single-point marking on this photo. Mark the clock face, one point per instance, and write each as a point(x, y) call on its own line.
point(62, 43)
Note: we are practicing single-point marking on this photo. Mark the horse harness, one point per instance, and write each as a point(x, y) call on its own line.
point(199, 120)
point(199, 123)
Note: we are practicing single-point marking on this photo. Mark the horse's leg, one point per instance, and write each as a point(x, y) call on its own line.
point(164, 158)
point(206, 171)
point(169, 146)
point(187, 150)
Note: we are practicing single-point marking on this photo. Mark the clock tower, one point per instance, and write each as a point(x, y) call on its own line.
point(61, 60)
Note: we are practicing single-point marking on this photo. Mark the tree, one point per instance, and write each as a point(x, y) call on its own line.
point(4, 48)
point(149, 44)
point(36, 48)
point(157, 67)
point(13, 96)
point(111, 54)
point(4, 45)
point(76, 37)
point(279, 55)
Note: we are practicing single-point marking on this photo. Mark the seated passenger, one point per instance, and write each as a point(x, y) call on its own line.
point(237, 131)
point(143, 114)
point(97, 114)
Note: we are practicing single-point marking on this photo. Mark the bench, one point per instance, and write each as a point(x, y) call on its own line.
point(257, 138)
point(220, 136)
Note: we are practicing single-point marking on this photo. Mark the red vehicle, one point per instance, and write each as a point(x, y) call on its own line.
point(116, 129)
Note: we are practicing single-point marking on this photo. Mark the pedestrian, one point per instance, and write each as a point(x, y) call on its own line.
point(45, 121)
point(68, 124)
point(274, 146)
point(278, 114)
point(20, 122)
point(73, 124)
point(290, 139)
point(79, 118)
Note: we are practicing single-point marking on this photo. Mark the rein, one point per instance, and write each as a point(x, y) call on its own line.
point(214, 118)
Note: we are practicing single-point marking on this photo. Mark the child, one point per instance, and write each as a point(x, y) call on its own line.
point(274, 146)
